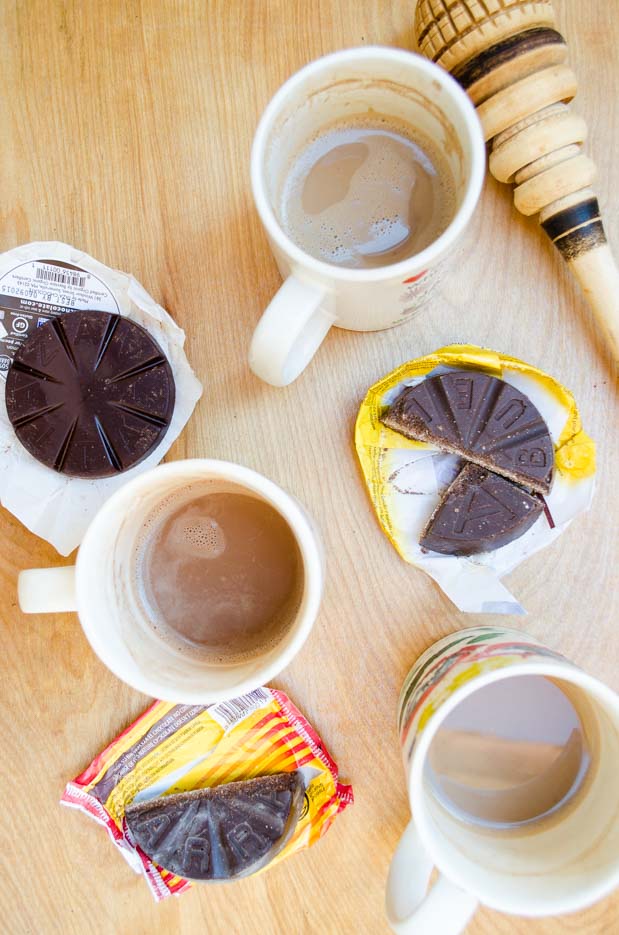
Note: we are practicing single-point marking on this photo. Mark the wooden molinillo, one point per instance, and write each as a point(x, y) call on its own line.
point(509, 57)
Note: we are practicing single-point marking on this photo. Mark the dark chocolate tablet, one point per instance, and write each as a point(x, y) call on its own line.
point(481, 418)
point(90, 394)
point(220, 833)
point(478, 512)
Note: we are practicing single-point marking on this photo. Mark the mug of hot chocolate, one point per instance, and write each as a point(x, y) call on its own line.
point(366, 168)
point(196, 581)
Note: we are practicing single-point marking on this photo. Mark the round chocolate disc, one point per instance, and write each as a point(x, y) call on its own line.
point(90, 394)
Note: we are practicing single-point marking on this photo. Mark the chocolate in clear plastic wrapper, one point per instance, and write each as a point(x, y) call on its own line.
point(406, 478)
point(174, 749)
point(40, 282)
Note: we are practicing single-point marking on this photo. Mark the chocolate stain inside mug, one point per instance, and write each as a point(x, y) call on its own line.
point(511, 753)
point(367, 191)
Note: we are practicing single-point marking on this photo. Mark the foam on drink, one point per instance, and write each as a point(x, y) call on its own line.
point(367, 191)
point(219, 574)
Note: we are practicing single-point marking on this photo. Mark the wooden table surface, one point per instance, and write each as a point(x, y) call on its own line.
point(126, 130)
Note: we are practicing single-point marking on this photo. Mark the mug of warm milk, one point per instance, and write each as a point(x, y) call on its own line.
point(195, 582)
point(511, 756)
point(366, 168)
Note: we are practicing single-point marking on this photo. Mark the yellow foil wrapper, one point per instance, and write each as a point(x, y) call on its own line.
point(405, 478)
point(176, 748)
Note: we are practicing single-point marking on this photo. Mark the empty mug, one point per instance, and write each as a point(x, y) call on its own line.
point(318, 294)
point(523, 818)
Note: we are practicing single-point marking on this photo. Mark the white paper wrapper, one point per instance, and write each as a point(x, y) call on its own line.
point(406, 479)
point(37, 282)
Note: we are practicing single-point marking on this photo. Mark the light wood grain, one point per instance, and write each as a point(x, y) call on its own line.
point(126, 130)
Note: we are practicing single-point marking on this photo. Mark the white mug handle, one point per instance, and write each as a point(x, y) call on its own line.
point(47, 590)
point(412, 909)
point(289, 333)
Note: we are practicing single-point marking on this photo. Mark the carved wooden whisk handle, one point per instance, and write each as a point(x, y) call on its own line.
point(509, 57)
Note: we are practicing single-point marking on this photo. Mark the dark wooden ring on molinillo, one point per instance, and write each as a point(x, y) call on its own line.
point(581, 241)
point(503, 52)
point(576, 229)
point(570, 218)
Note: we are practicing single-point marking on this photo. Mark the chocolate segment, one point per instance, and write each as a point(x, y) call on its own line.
point(480, 511)
point(90, 394)
point(481, 418)
point(220, 833)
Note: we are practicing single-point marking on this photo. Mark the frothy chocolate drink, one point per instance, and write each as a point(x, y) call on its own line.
point(220, 574)
point(367, 191)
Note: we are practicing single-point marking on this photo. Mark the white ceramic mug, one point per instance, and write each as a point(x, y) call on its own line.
point(555, 865)
point(315, 294)
point(101, 588)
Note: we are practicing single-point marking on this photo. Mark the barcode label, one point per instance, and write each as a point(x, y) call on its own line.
point(64, 277)
point(230, 713)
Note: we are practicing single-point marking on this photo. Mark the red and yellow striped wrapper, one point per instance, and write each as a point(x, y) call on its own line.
point(176, 748)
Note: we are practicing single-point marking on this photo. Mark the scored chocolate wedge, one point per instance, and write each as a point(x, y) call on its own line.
point(481, 418)
point(220, 833)
point(480, 511)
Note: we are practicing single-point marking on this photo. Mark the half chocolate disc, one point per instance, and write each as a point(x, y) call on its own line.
point(90, 394)
point(480, 511)
point(220, 833)
point(481, 418)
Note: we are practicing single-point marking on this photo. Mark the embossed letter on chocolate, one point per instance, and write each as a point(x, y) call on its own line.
point(478, 512)
point(90, 394)
point(481, 418)
point(220, 833)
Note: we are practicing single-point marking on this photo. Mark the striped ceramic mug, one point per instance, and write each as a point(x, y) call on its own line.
point(557, 864)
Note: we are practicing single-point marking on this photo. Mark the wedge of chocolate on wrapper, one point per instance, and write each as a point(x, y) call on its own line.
point(212, 793)
point(478, 512)
point(469, 406)
point(90, 394)
point(220, 833)
point(485, 420)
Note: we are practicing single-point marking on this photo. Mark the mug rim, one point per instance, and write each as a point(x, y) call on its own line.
point(562, 670)
point(307, 540)
point(434, 251)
